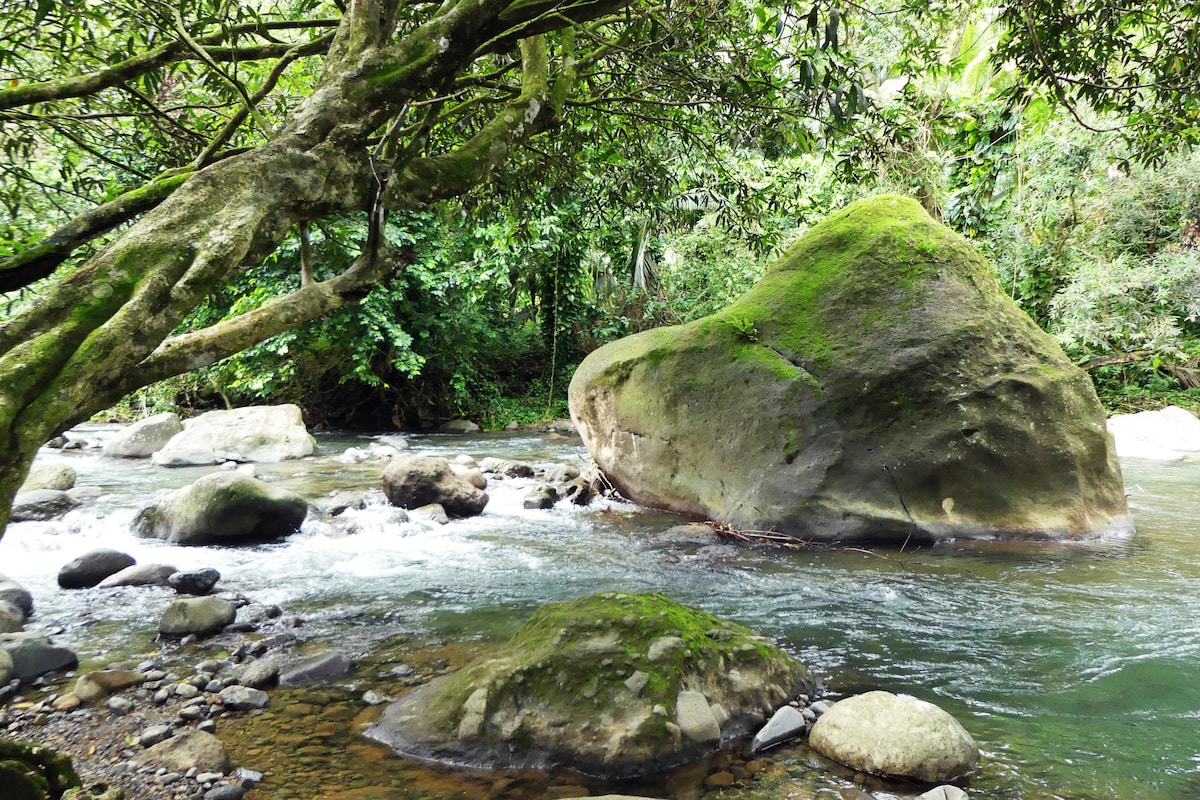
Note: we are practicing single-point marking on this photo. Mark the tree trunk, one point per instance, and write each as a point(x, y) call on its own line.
point(102, 332)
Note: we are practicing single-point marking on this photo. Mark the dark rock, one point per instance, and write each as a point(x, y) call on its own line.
point(41, 504)
point(91, 568)
point(543, 496)
point(197, 582)
point(415, 481)
point(340, 502)
point(323, 669)
point(225, 791)
point(33, 656)
point(579, 492)
point(876, 384)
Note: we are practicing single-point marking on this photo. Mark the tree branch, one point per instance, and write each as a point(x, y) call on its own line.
point(39, 261)
point(130, 68)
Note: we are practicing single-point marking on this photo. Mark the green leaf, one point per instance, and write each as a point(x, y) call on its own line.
point(43, 10)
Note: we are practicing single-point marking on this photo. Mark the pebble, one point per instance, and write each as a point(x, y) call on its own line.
point(119, 705)
point(154, 734)
point(186, 690)
point(208, 777)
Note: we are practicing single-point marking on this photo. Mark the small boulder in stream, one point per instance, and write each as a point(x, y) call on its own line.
point(223, 508)
point(876, 385)
point(415, 481)
point(199, 615)
point(43, 475)
point(895, 736)
point(38, 505)
point(613, 685)
point(92, 567)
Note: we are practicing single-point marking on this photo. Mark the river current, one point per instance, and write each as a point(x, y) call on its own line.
point(1075, 667)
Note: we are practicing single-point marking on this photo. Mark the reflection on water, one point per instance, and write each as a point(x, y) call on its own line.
point(1077, 668)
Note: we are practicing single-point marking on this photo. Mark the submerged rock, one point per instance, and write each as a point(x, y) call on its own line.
point(263, 434)
point(896, 736)
point(614, 685)
point(223, 508)
point(876, 384)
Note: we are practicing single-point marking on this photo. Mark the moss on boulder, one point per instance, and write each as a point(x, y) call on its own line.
point(32, 772)
point(614, 685)
point(876, 384)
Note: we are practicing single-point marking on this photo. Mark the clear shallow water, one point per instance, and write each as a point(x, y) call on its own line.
point(1077, 668)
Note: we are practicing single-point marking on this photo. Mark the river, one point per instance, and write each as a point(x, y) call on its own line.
point(1075, 667)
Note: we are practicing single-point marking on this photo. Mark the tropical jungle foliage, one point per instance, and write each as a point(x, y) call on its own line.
point(393, 212)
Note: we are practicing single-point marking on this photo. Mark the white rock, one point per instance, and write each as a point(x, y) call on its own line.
point(895, 735)
point(695, 718)
point(262, 434)
point(144, 437)
point(945, 792)
point(1170, 434)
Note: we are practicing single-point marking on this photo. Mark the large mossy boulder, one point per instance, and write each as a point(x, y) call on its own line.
point(33, 772)
point(613, 685)
point(223, 508)
point(876, 384)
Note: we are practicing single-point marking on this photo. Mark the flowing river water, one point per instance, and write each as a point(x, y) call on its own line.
point(1075, 667)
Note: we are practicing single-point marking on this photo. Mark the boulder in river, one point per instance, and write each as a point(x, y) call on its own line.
point(415, 481)
point(41, 504)
point(223, 508)
point(199, 615)
point(44, 475)
point(613, 685)
point(139, 575)
point(18, 595)
point(876, 384)
point(33, 655)
point(263, 434)
point(92, 567)
point(92, 687)
point(896, 736)
point(143, 438)
point(1168, 434)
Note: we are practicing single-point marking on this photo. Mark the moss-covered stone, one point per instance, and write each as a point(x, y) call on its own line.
point(875, 384)
point(32, 772)
point(596, 684)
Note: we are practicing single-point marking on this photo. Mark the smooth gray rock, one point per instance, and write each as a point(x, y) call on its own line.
point(143, 438)
point(785, 724)
point(155, 734)
point(90, 568)
point(196, 615)
point(43, 475)
point(414, 481)
point(6, 666)
point(322, 669)
point(262, 434)
point(39, 505)
point(259, 673)
point(12, 619)
point(223, 508)
point(139, 575)
point(895, 735)
point(695, 718)
point(226, 791)
point(243, 698)
point(33, 656)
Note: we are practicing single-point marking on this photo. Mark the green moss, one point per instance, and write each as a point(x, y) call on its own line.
point(33, 772)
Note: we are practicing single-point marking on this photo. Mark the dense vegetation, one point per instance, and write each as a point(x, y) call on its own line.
point(394, 212)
